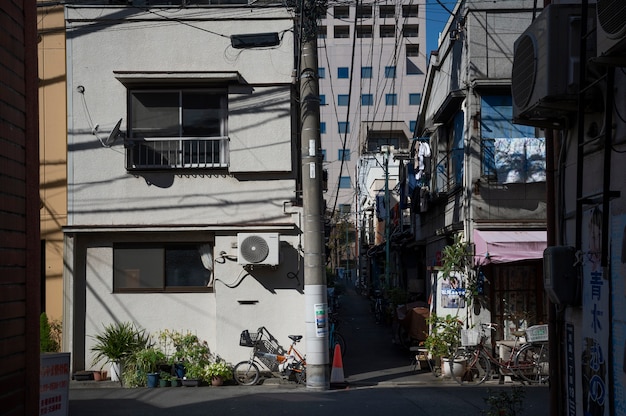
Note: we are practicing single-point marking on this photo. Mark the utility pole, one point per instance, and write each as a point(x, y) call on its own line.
point(387, 217)
point(316, 314)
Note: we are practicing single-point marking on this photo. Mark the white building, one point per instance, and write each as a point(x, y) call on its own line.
point(206, 151)
point(372, 67)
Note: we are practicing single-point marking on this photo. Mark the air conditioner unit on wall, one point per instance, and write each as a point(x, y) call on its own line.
point(546, 61)
point(611, 28)
point(258, 249)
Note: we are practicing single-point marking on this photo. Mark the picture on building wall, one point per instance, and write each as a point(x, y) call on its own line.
point(452, 293)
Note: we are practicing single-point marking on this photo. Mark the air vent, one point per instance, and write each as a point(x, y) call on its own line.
point(611, 27)
point(258, 249)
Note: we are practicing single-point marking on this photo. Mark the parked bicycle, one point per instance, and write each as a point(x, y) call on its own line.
point(268, 354)
point(334, 337)
point(527, 361)
point(378, 306)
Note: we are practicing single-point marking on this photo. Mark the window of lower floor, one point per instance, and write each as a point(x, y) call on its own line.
point(167, 267)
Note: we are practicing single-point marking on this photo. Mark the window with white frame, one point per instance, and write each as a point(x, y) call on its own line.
point(177, 129)
point(162, 267)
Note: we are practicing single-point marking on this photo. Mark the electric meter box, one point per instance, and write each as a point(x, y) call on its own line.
point(560, 275)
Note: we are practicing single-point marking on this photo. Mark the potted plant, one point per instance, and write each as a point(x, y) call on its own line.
point(116, 343)
point(443, 338)
point(218, 371)
point(147, 362)
point(165, 379)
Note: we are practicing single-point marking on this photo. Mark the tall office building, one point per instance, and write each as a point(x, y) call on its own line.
point(372, 67)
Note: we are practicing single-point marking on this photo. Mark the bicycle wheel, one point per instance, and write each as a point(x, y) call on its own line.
point(532, 363)
point(470, 367)
point(246, 373)
point(299, 369)
point(338, 339)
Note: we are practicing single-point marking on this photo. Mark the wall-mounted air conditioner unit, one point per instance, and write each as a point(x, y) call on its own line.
point(611, 28)
point(546, 61)
point(258, 249)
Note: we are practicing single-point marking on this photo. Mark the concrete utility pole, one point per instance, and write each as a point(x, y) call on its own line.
point(317, 374)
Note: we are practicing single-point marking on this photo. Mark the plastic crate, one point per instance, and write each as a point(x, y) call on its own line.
point(537, 333)
point(469, 337)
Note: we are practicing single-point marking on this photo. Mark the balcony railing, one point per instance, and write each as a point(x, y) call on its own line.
point(177, 153)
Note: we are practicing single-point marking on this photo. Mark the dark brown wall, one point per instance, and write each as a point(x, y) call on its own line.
point(19, 210)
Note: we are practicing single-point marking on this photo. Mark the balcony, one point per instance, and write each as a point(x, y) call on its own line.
point(166, 153)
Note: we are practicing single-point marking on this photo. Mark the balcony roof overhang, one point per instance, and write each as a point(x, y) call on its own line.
point(135, 78)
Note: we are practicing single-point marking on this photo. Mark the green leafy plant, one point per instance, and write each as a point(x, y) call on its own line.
point(117, 342)
point(505, 402)
point(444, 336)
point(219, 368)
point(47, 341)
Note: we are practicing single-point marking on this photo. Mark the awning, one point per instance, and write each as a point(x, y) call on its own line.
point(509, 246)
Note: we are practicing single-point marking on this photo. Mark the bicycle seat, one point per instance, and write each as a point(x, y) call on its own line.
point(295, 338)
point(518, 334)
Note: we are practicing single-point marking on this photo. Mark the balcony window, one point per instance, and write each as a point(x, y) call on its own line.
point(341, 12)
point(364, 12)
point(342, 32)
point(364, 31)
point(410, 31)
point(391, 99)
point(177, 129)
point(415, 99)
point(390, 72)
point(156, 267)
point(343, 100)
point(387, 31)
point(344, 182)
point(366, 72)
point(343, 72)
point(409, 10)
point(387, 12)
point(367, 99)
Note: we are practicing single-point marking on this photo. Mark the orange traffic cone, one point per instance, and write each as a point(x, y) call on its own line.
point(336, 375)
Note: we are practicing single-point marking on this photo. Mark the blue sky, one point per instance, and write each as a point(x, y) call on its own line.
point(436, 18)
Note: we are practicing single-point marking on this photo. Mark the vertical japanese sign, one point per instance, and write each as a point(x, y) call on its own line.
point(596, 319)
point(54, 384)
point(618, 280)
point(321, 319)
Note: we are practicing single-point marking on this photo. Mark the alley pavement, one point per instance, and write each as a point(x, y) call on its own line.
point(380, 379)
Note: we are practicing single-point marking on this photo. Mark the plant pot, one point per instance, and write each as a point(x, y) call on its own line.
point(458, 366)
point(175, 382)
point(191, 382)
point(179, 369)
point(116, 371)
point(153, 380)
point(164, 383)
point(217, 381)
point(97, 376)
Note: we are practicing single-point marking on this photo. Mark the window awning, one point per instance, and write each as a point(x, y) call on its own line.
point(508, 246)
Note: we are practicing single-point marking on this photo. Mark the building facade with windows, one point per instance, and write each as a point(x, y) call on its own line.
point(182, 175)
point(371, 73)
point(482, 177)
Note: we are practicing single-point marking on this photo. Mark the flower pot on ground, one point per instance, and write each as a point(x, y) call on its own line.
point(152, 380)
point(457, 367)
point(147, 362)
point(97, 375)
point(218, 371)
point(175, 382)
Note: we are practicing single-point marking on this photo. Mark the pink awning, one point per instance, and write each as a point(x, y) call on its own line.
point(508, 246)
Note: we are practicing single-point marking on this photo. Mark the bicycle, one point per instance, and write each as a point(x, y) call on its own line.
point(378, 306)
point(527, 362)
point(266, 351)
point(334, 337)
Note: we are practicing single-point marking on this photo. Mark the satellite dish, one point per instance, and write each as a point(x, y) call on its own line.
point(115, 133)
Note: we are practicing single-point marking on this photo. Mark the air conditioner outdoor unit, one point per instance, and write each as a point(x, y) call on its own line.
point(611, 27)
point(258, 249)
point(546, 62)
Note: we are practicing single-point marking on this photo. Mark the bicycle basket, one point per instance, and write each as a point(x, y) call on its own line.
point(469, 337)
point(247, 339)
point(537, 333)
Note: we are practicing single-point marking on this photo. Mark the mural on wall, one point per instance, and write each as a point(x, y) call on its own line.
point(618, 280)
point(596, 319)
